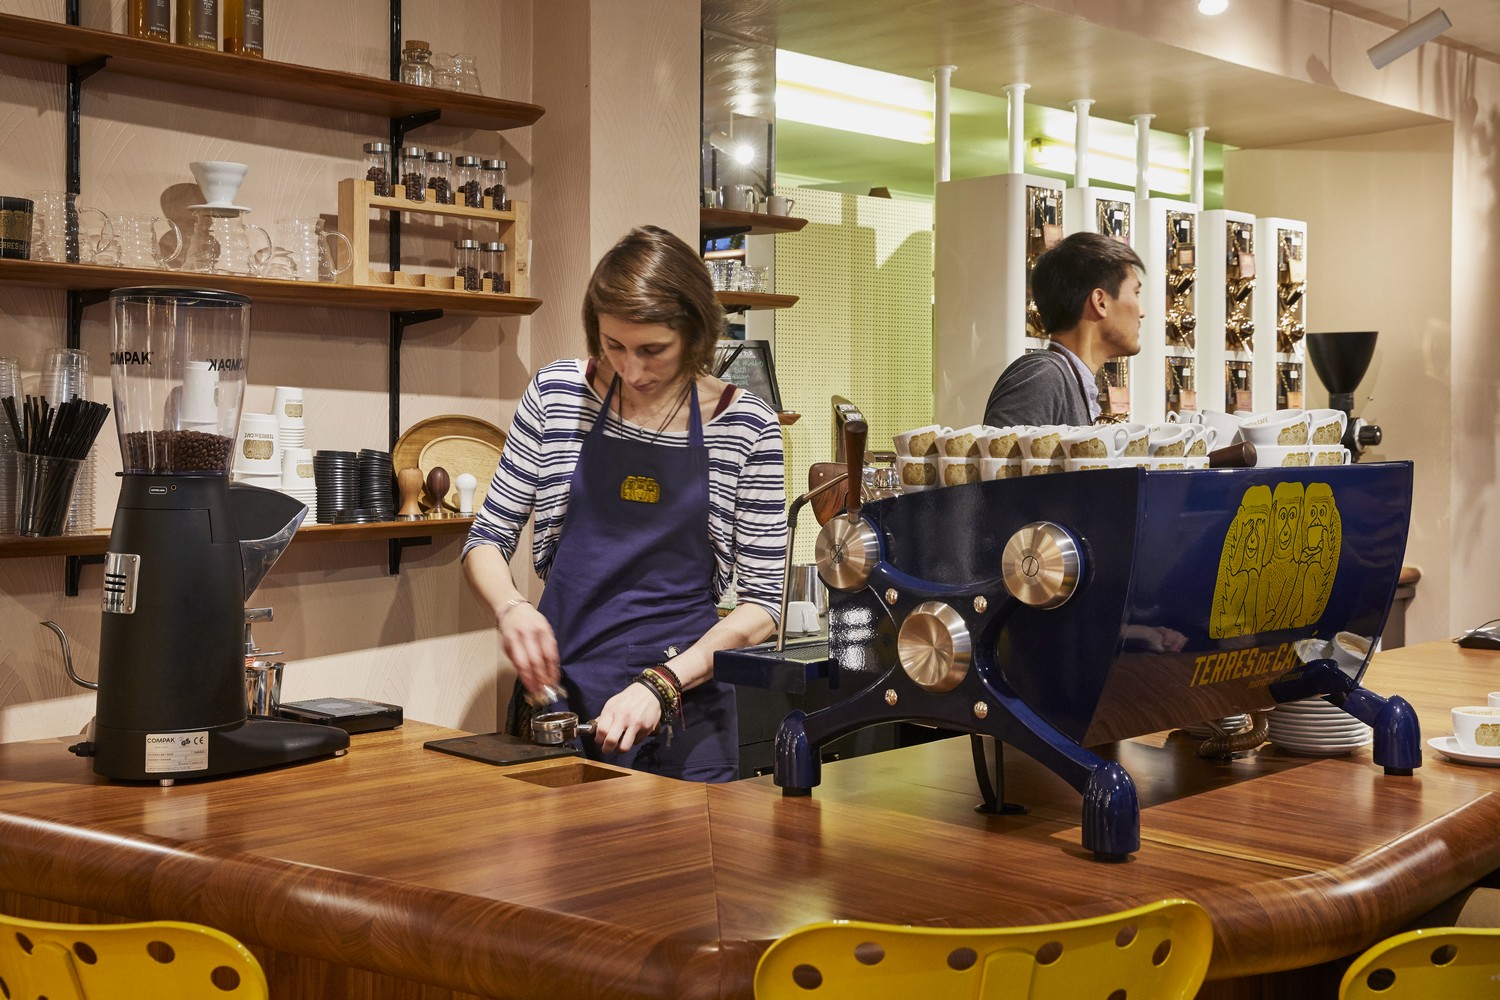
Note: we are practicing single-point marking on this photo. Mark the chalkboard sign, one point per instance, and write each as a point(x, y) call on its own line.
point(747, 364)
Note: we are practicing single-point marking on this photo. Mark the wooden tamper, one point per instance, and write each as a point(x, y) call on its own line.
point(410, 482)
point(437, 491)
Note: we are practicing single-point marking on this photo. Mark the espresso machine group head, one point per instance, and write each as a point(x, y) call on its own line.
point(185, 551)
point(1341, 360)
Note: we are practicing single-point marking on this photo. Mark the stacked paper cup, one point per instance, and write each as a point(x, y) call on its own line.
point(65, 374)
point(10, 385)
point(291, 429)
point(297, 479)
point(257, 453)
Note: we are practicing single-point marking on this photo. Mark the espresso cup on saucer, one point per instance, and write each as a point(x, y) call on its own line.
point(1137, 440)
point(962, 442)
point(1002, 442)
point(1282, 428)
point(1095, 442)
point(1327, 426)
point(1477, 729)
point(918, 441)
point(1043, 444)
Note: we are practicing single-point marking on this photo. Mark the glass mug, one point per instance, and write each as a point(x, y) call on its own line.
point(220, 243)
point(136, 243)
point(309, 246)
point(58, 225)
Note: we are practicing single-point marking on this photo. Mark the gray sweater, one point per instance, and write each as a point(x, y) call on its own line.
point(1037, 388)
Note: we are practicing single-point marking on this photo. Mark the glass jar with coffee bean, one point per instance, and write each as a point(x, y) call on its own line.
point(440, 176)
point(493, 258)
point(494, 185)
point(378, 167)
point(466, 265)
point(466, 177)
point(414, 172)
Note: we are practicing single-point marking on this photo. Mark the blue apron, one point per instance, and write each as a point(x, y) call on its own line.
point(632, 577)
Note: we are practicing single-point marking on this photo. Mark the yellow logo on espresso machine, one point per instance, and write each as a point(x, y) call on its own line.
point(1280, 557)
point(640, 489)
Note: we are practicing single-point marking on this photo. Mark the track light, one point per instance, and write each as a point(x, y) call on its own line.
point(1424, 29)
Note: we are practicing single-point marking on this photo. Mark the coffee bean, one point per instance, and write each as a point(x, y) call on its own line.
point(468, 279)
point(442, 191)
point(416, 186)
point(176, 451)
point(473, 196)
point(382, 181)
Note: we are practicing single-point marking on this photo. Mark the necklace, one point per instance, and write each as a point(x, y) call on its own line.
point(681, 398)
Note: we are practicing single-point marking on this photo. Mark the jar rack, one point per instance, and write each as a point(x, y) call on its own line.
point(357, 202)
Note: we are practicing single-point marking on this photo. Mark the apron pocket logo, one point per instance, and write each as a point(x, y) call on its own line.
point(640, 489)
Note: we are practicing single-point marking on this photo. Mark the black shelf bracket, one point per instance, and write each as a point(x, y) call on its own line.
point(75, 570)
point(399, 322)
point(78, 301)
point(398, 544)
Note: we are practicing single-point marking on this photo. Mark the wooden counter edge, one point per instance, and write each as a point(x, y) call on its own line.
point(470, 944)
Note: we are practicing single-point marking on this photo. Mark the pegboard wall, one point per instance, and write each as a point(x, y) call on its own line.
point(862, 329)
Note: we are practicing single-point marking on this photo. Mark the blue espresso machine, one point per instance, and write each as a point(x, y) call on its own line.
point(1059, 612)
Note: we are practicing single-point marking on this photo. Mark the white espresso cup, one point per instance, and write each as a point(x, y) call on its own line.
point(287, 407)
point(779, 204)
point(1095, 442)
point(1477, 729)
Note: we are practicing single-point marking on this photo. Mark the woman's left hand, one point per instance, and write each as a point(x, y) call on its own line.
point(627, 718)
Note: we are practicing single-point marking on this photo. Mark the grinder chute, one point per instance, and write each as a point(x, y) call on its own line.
point(185, 551)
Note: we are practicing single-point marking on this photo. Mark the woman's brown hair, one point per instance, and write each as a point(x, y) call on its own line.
point(651, 276)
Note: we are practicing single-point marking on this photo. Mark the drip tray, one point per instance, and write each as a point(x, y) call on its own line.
point(567, 775)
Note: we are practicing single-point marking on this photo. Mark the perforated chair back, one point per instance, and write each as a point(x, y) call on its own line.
point(1432, 962)
point(1159, 951)
point(162, 958)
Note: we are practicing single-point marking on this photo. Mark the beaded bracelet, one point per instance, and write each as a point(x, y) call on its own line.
point(671, 676)
point(671, 700)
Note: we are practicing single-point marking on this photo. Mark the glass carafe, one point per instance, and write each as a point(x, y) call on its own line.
point(222, 243)
point(307, 245)
point(178, 372)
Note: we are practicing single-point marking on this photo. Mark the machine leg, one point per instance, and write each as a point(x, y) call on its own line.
point(1398, 737)
point(798, 769)
point(989, 769)
point(1111, 813)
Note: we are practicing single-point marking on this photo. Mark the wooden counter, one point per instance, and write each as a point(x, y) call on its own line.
point(397, 865)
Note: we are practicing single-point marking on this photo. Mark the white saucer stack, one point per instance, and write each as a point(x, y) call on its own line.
point(1315, 728)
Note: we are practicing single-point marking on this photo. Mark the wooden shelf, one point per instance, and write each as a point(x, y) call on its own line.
point(271, 291)
point(96, 543)
point(51, 41)
point(399, 203)
point(718, 222)
point(788, 418)
point(735, 301)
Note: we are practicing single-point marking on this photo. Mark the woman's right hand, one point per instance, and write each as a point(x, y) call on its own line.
point(527, 638)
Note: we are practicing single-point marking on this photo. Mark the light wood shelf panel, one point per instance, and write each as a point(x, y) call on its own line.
point(728, 222)
point(270, 291)
point(96, 543)
point(733, 301)
point(51, 41)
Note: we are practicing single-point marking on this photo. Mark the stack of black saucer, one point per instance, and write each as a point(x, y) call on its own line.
point(337, 476)
point(377, 487)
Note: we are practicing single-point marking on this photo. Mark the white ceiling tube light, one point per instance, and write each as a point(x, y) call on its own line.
point(1415, 34)
point(836, 95)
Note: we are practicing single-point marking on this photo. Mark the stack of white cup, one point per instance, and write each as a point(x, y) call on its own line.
point(257, 452)
point(200, 398)
point(297, 480)
point(287, 409)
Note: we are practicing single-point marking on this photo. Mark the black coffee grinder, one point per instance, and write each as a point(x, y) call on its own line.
point(1341, 360)
point(185, 551)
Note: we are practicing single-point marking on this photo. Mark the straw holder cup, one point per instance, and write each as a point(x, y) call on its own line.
point(46, 490)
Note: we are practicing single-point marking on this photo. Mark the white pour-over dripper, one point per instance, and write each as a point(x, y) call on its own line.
point(219, 180)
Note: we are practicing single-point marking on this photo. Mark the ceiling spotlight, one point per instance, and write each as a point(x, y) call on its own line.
point(1424, 29)
point(1212, 6)
point(744, 153)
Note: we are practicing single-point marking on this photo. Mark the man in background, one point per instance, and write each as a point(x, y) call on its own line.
point(1087, 289)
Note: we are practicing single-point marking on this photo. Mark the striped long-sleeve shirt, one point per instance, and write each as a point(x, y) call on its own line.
point(746, 484)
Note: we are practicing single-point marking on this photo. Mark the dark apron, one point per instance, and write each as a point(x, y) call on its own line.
point(632, 577)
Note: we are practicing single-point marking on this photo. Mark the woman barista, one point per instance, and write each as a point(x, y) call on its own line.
point(652, 483)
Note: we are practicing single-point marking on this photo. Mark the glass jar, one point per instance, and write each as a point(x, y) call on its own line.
point(465, 76)
point(414, 172)
point(470, 189)
point(416, 64)
point(378, 167)
point(494, 185)
point(493, 262)
point(440, 177)
point(466, 265)
point(443, 77)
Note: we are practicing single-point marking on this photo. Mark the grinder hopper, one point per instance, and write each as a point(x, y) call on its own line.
point(1341, 360)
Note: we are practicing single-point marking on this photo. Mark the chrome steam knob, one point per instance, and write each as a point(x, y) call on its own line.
point(1041, 565)
point(934, 646)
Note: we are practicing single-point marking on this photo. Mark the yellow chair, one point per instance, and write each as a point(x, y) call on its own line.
point(124, 962)
point(1432, 962)
point(1156, 951)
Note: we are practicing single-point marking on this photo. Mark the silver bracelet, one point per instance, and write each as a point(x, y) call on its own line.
point(500, 618)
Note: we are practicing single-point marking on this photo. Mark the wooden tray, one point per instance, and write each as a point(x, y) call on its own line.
point(456, 442)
